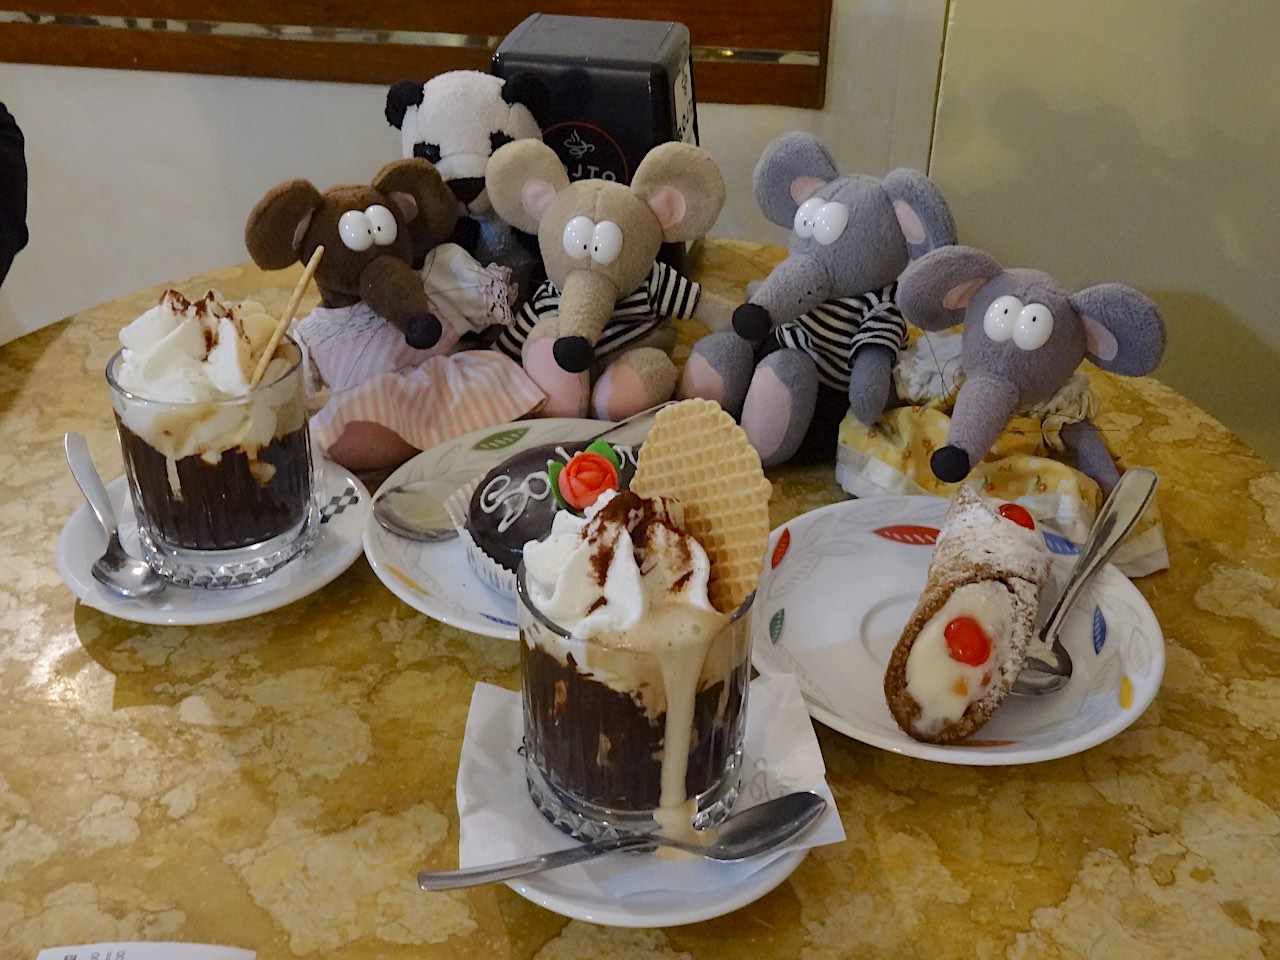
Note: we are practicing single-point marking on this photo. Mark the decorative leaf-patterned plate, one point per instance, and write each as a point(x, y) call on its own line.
point(436, 578)
point(840, 583)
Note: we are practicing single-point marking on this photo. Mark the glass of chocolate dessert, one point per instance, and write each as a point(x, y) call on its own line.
point(634, 686)
point(220, 473)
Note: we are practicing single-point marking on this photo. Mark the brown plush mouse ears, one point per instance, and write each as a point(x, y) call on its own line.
point(425, 200)
point(273, 233)
point(276, 228)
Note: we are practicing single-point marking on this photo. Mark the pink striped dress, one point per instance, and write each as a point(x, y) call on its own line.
point(423, 395)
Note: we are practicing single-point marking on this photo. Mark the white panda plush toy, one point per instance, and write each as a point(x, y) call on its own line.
point(457, 120)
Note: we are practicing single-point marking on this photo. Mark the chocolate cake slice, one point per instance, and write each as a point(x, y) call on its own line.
point(513, 503)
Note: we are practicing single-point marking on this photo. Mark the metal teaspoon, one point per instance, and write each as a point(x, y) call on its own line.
point(1129, 498)
point(116, 570)
point(754, 831)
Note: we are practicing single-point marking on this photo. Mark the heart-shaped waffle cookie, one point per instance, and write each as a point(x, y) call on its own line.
point(698, 455)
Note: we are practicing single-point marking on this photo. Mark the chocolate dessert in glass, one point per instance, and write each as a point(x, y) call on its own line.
point(634, 687)
point(220, 474)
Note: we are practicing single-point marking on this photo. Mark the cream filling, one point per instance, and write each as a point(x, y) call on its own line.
point(943, 686)
point(678, 637)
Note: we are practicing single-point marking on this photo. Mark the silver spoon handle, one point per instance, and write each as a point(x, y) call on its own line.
point(1128, 500)
point(627, 421)
point(471, 876)
point(90, 483)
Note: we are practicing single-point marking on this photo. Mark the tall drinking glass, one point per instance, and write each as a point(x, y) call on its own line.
point(222, 489)
point(601, 723)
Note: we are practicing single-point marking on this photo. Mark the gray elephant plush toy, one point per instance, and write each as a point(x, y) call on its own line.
point(1022, 340)
point(820, 334)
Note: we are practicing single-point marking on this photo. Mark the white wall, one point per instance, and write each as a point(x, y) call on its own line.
point(139, 178)
point(1133, 142)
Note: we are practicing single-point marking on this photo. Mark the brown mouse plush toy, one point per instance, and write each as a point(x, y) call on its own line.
point(595, 335)
point(376, 229)
point(375, 342)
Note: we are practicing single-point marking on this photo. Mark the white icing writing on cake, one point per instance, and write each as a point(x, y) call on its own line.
point(498, 495)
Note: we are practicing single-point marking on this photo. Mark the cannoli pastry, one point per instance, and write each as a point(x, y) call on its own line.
point(967, 639)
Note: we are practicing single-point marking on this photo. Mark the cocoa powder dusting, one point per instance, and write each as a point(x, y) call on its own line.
point(617, 513)
point(643, 519)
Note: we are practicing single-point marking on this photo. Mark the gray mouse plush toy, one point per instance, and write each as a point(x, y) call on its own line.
point(820, 334)
point(1022, 340)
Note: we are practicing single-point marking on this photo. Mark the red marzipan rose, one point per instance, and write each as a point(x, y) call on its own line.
point(585, 477)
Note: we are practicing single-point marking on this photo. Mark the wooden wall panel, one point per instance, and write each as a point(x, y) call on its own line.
point(743, 51)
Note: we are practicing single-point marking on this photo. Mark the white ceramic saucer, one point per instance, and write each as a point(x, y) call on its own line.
point(344, 506)
point(841, 582)
point(655, 908)
point(436, 578)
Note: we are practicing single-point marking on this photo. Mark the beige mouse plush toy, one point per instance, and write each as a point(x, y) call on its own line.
point(595, 336)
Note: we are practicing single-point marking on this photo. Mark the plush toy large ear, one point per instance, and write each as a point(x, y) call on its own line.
point(522, 177)
point(528, 90)
point(923, 215)
point(275, 228)
point(402, 95)
point(683, 187)
point(934, 290)
point(1124, 330)
point(422, 196)
point(792, 169)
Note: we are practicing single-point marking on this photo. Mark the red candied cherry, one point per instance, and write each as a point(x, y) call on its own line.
point(967, 642)
point(1018, 514)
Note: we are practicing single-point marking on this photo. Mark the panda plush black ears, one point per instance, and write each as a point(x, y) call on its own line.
point(528, 90)
point(402, 95)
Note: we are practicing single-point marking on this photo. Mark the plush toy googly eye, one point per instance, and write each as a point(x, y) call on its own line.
point(1033, 327)
point(383, 224)
point(606, 242)
point(806, 216)
point(577, 237)
point(1000, 318)
point(829, 223)
point(355, 230)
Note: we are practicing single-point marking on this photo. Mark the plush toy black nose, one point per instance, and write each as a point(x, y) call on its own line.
point(422, 332)
point(949, 464)
point(751, 322)
point(467, 189)
point(574, 354)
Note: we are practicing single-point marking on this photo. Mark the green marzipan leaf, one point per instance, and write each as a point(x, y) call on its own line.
point(605, 449)
point(775, 625)
point(553, 473)
point(499, 441)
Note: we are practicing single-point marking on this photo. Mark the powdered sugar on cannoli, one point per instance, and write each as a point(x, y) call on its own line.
point(974, 532)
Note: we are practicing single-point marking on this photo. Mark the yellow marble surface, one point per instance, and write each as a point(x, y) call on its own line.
point(275, 783)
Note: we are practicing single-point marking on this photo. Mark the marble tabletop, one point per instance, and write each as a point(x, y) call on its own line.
point(275, 783)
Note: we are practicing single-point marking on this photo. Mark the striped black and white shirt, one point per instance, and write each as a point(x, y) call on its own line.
point(666, 294)
point(833, 332)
